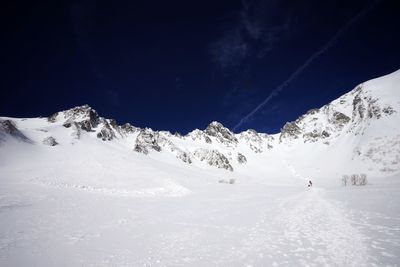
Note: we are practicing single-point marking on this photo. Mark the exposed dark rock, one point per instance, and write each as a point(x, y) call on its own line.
point(86, 117)
point(388, 110)
point(127, 128)
point(358, 107)
point(85, 125)
point(50, 141)
point(315, 136)
point(358, 89)
point(113, 123)
point(107, 133)
point(208, 140)
point(311, 136)
point(8, 127)
point(290, 129)
point(52, 118)
point(185, 157)
point(340, 118)
point(312, 111)
point(241, 158)
point(325, 134)
point(147, 139)
point(141, 149)
point(213, 158)
point(374, 111)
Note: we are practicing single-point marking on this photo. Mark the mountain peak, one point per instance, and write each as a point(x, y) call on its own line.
point(221, 133)
point(216, 124)
point(75, 114)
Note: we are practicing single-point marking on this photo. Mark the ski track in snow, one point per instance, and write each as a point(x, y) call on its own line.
point(310, 231)
point(170, 189)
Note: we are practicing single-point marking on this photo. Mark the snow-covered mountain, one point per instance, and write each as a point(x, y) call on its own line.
point(80, 189)
point(363, 124)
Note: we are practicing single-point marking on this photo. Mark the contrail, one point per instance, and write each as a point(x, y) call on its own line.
point(308, 62)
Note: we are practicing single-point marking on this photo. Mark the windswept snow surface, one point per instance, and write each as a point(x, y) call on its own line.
point(88, 201)
point(101, 213)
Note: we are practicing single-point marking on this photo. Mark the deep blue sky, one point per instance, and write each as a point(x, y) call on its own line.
point(178, 65)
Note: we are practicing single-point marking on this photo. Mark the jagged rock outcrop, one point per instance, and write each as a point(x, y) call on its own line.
point(151, 140)
point(388, 110)
point(9, 128)
point(184, 156)
point(365, 108)
point(290, 130)
point(339, 119)
point(241, 158)
point(147, 139)
point(222, 134)
point(50, 141)
point(127, 128)
point(213, 158)
point(107, 132)
point(84, 116)
point(53, 117)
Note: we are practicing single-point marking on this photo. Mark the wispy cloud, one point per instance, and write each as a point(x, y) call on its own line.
point(259, 26)
point(265, 21)
point(230, 50)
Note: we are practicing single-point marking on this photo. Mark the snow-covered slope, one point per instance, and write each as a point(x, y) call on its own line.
point(82, 189)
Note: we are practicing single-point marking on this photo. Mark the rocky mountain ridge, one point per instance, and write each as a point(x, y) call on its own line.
point(354, 113)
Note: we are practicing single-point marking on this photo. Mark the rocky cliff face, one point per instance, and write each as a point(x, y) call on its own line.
point(213, 158)
point(84, 116)
point(147, 140)
point(221, 134)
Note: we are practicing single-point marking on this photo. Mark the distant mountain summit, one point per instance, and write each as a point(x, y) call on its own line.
point(353, 112)
point(363, 126)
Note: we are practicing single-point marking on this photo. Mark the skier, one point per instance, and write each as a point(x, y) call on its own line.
point(309, 183)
